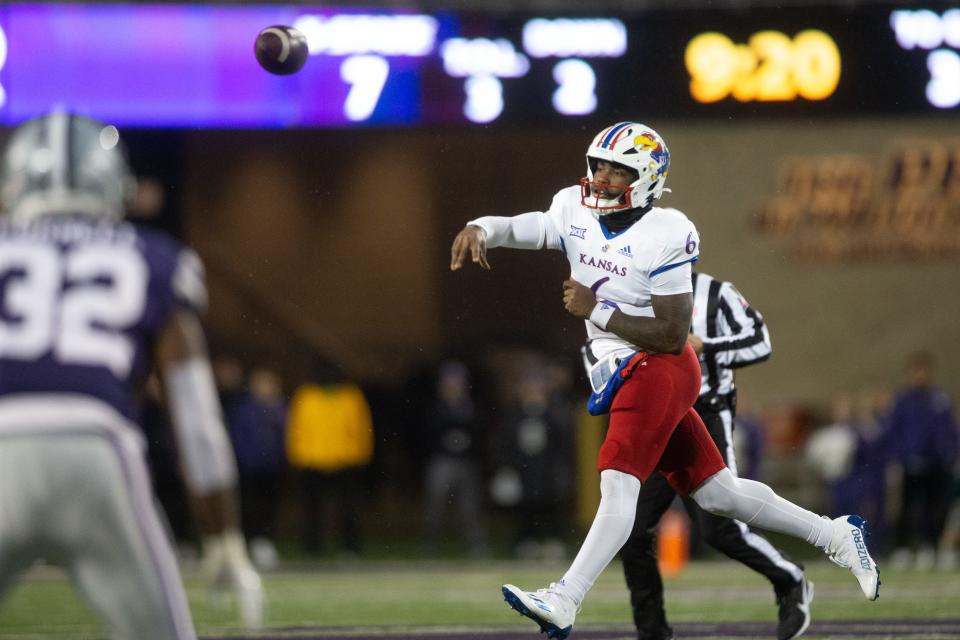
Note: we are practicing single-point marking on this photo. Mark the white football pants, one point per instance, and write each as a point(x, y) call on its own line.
point(81, 499)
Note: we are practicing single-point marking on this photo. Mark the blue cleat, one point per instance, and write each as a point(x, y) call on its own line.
point(549, 608)
point(848, 548)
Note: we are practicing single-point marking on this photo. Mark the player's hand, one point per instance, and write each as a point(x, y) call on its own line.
point(472, 240)
point(578, 299)
point(696, 343)
point(230, 573)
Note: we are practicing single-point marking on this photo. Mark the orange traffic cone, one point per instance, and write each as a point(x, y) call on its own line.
point(673, 543)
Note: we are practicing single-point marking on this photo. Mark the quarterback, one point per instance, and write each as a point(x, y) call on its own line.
point(631, 283)
point(88, 303)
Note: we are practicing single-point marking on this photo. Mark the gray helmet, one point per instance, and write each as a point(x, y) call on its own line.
point(62, 163)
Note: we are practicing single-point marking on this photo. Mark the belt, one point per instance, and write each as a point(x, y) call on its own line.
point(710, 403)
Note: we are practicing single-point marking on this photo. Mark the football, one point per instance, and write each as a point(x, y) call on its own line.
point(281, 50)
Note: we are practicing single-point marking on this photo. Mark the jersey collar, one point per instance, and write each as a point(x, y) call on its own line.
point(613, 224)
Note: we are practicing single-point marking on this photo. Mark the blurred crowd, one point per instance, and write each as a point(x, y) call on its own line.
point(504, 444)
point(894, 459)
point(312, 461)
point(477, 457)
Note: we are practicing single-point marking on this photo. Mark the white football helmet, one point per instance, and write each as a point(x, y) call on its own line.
point(638, 147)
point(63, 163)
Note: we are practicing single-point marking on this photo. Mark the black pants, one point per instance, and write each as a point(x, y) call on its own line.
point(923, 508)
point(259, 497)
point(340, 490)
point(734, 539)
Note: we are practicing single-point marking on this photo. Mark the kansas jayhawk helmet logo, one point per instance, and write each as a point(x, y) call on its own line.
point(638, 147)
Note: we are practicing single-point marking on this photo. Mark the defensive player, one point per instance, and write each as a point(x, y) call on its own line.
point(87, 302)
point(631, 282)
point(727, 333)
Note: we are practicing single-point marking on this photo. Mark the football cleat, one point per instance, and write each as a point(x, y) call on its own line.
point(848, 548)
point(794, 610)
point(549, 608)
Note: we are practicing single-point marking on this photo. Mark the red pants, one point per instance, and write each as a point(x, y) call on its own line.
point(653, 425)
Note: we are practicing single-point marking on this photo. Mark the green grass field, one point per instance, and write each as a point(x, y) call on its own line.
point(405, 595)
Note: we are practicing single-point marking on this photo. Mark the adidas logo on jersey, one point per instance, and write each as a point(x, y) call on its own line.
point(625, 251)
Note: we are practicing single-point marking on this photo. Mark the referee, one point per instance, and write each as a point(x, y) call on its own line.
point(727, 334)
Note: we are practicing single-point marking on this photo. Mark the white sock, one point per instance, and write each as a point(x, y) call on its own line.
point(825, 535)
point(756, 504)
point(610, 529)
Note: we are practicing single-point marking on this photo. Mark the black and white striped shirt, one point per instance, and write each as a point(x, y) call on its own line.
point(733, 333)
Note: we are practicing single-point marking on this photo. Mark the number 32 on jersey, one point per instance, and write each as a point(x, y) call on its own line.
point(74, 305)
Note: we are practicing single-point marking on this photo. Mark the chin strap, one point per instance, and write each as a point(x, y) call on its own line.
point(619, 220)
point(606, 207)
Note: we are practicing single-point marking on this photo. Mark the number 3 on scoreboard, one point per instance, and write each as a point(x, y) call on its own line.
point(771, 67)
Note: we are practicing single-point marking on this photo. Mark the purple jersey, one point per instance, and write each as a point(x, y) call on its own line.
point(82, 301)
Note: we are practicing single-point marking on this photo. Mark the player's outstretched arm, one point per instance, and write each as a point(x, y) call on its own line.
point(210, 471)
point(470, 241)
point(208, 462)
point(532, 230)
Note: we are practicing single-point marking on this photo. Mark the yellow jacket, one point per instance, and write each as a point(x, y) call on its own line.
point(329, 428)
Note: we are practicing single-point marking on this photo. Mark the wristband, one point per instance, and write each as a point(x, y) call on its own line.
point(601, 314)
point(477, 225)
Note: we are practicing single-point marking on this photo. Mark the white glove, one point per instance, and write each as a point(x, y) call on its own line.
point(228, 568)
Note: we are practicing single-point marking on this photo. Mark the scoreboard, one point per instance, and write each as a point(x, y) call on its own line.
point(193, 65)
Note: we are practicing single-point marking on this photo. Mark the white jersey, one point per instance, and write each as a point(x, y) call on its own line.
point(652, 257)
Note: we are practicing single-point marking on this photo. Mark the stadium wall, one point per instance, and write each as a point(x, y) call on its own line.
point(339, 240)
